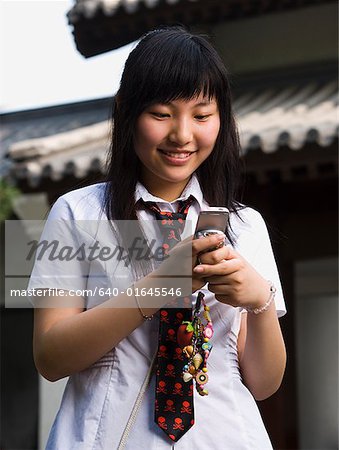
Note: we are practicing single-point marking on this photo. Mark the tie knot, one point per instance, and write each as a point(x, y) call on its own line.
point(171, 224)
point(180, 215)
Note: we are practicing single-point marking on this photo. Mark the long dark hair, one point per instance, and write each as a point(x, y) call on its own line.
point(166, 65)
point(169, 64)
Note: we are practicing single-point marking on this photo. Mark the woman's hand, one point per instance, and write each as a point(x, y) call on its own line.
point(261, 348)
point(183, 258)
point(232, 279)
point(199, 247)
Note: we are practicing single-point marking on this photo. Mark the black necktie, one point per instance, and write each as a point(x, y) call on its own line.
point(174, 411)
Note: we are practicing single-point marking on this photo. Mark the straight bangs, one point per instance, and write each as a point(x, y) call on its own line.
point(177, 77)
point(172, 66)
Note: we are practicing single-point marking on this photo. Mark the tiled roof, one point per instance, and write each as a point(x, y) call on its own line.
point(289, 117)
point(103, 25)
point(89, 8)
point(48, 121)
point(268, 119)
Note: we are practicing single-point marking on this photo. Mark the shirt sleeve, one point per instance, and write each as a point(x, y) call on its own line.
point(254, 245)
point(60, 259)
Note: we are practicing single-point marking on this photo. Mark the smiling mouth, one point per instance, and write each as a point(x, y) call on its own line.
point(178, 155)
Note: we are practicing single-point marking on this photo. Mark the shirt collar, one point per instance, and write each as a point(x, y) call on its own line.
point(192, 188)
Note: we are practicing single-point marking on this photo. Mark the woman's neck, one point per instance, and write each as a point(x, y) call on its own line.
point(166, 190)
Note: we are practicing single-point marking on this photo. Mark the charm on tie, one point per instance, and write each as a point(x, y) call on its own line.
point(193, 337)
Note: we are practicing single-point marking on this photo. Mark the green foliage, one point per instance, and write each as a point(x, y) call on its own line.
point(7, 194)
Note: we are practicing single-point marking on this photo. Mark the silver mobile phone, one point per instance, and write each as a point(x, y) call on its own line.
point(213, 221)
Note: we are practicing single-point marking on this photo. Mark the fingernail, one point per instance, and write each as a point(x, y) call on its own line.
point(198, 269)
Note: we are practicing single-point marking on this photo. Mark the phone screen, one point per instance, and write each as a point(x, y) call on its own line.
point(211, 222)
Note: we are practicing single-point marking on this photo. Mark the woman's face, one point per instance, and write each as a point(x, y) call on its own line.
point(172, 140)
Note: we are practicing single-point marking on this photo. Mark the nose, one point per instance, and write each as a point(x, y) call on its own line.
point(181, 132)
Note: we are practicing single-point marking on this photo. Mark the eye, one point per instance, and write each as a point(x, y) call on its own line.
point(159, 115)
point(202, 117)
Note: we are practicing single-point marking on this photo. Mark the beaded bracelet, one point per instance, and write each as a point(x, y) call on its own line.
point(267, 304)
point(138, 305)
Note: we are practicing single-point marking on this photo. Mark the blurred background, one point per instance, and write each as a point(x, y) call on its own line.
point(61, 63)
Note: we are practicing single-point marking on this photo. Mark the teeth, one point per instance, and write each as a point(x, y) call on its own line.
point(177, 155)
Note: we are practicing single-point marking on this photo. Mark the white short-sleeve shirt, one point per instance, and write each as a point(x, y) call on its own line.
point(97, 401)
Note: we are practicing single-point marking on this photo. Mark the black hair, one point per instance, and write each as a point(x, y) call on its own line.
point(169, 64)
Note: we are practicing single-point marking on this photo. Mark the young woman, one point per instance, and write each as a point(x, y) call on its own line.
point(174, 138)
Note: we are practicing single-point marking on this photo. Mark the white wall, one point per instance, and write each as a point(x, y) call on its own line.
point(272, 41)
point(317, 353)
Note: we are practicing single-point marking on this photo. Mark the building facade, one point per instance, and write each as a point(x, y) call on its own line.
point(283, 62)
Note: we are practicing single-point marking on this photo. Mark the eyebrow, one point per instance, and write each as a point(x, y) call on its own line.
point(203, 103)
